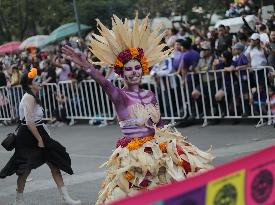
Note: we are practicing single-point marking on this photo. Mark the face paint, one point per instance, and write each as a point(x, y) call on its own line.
point(37, 80)
point(132, 72)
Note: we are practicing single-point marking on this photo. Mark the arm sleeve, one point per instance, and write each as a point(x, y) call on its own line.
point(28, 107)
point(108, 87)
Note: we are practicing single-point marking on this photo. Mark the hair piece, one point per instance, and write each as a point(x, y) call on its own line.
point(117, 46)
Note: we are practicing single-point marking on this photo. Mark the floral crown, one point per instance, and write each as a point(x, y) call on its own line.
point(32, 73)
point(116, 46)
point(129, 54)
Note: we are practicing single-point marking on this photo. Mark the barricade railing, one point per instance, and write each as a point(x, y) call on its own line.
point(5, 106)
point(15, 96)
point(48, 99)
point(10, 98)
point(86, 100)
point(235, 94)
point(222, 95)
point(170, 95)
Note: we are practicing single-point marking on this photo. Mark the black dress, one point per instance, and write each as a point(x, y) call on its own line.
point(28, 155)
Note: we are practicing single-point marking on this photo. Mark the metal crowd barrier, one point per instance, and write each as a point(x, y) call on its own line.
point(86, 99)
point(5, 105)
point(170, 96)
point(48, 100)
point(207, 107)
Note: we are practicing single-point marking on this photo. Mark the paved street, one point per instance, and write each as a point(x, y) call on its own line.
point(89, 146)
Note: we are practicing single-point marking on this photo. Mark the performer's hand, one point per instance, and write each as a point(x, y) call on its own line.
point(78, 58)
point(41, 144)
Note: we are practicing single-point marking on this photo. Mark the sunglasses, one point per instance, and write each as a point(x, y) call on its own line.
point(37, 80)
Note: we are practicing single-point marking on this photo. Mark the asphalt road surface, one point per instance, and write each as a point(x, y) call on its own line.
point(90, 146)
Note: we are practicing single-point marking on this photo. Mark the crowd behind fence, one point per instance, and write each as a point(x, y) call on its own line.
point(223, 94)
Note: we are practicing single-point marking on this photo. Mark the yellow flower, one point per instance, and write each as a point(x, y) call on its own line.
point(134, 52)
point(32, 73)
point(118, 63)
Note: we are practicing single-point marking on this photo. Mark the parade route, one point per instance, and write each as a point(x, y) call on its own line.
point(90, 146)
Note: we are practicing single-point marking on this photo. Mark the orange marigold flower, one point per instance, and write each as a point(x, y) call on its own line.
point(32, 73)
point(128, 176)
point(118, 63)
point(143, 60)
point(137, 142)
point(145, 70)
point(163, 147)
point(134, 52)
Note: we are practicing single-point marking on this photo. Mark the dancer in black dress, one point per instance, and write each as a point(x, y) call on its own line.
point(34, 146)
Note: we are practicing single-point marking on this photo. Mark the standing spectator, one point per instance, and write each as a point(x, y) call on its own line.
point(205, 64)
point(7, 59)
point(182, 34)
point(188, 64)
point(3, 80)
point(271, 56)
point(271, 93)
point(49, 76)
point(224, 41)
point(81, 74)
point(255, 52)
point(171, 37)
point(177, 55)
point(60, 112)
point(15, 76)
point(243, 39)
point(64, 65)
point(225, 88)
point(49, 71)
point(189, 60)
point(197, 44)
point(272, 36)
point(241, 64)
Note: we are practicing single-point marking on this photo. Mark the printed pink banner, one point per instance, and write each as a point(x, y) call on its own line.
point(253, 176)
point(260, 184)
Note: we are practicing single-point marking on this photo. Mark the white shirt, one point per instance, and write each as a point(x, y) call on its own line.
point(29, 110)
point(256, 56)
point(163, 68)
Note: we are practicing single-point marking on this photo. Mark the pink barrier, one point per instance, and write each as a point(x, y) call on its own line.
point(249, 180)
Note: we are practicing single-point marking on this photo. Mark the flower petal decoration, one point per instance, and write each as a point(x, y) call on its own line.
point(123, 43)
point(32, 73)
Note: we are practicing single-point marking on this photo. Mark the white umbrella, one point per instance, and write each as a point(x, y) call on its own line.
point(236, 23)
point(34, 41)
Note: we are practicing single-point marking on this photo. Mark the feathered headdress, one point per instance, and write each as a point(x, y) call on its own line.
point(121, 44)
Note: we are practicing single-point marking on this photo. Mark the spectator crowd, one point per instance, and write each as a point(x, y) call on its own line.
point(196, 50)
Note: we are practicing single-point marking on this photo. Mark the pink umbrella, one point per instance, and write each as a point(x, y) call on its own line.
point(9, 47)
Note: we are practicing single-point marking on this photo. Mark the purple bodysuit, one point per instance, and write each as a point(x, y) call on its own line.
point(137, 109)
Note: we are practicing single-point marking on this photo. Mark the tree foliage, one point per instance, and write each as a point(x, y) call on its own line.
point(22, 18)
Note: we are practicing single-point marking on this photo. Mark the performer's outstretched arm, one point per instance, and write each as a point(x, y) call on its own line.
point(80, 59)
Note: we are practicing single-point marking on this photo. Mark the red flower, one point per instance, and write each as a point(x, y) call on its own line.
point(144, 183)
point(179, 150)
